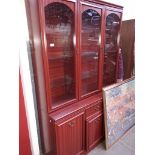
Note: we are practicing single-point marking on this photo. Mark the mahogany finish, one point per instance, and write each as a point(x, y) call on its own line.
point(80, 42)
point(94, 130)
point(127, 42)
point(70, 135)
point(93, 108)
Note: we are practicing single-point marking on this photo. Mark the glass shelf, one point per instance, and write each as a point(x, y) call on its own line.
point(89, 54)
point(62, 81)
point(89, 74)
point(62, 99)
point(60, 57)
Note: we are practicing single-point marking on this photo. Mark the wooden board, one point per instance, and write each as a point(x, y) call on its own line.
point(127, 43)
point(119, 110)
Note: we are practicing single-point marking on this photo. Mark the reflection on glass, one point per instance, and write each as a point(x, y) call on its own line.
point(59, 20)
point(90, 42)
point(111, 48)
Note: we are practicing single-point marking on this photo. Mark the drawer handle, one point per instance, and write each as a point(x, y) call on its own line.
point(71, 124)
point(97, 120)
point(97, 108)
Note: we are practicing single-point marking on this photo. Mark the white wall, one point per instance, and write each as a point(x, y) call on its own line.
point(129, 7)
point(13, 36)
point(26, 81)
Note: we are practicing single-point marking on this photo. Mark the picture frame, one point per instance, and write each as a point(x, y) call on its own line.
point(119, 110)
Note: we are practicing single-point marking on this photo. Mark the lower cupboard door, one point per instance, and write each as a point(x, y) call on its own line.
point(70, 136)
point(94, 131)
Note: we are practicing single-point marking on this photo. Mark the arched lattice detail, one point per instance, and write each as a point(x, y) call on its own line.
point(58, 13)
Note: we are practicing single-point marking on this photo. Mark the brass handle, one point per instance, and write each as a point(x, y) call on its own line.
point(98, 102)
point(97, 120)
point(52, 44)
point(71, 124)
point(97, 108)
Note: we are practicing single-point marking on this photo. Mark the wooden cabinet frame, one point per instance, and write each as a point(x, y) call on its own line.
point(39, 46)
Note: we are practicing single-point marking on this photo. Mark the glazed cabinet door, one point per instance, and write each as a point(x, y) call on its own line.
point(94, 130)
point(112, 35)
point(59, 42)
point(90, 44)
point(70, 136)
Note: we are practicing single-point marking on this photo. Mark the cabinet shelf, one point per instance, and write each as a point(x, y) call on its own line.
point(63, 99)
point(60, 57)
point(110, 52)
point(89, 54)
point(89, 74)
point(62, 81)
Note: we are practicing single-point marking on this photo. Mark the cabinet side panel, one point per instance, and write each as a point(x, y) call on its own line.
point(32, 11)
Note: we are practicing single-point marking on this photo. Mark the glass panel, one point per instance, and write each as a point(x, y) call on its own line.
point(90, 43)
point(59, 21)
point(111, 48)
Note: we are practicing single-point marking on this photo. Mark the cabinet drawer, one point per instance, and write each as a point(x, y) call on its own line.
point(95, 108)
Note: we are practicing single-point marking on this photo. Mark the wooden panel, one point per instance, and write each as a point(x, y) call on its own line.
point(69, 136)
point(127, 44)
point(103, 3)
point(94, 131)
point(33, 18)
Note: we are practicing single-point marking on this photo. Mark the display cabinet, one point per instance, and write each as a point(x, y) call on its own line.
point(79, 47)
point(80, 42)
